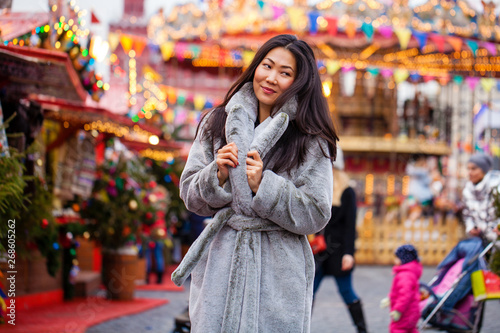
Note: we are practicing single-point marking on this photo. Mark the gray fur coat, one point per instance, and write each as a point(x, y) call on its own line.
point(252, 268)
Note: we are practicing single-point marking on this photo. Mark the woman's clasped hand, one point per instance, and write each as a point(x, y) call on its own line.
point(227, 157)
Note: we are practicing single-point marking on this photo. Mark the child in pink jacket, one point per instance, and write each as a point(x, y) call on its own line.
point(405, 296)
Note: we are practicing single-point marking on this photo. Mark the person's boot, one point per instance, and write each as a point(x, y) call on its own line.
point(356, 311)
point(159, 276)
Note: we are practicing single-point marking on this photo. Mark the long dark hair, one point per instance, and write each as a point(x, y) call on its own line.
point(312, 120)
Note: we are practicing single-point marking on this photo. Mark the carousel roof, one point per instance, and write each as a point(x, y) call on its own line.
point(437, 38)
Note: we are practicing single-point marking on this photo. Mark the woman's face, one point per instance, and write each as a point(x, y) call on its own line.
point(476, 174)
point(273, 76)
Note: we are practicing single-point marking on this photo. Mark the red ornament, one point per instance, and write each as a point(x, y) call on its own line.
point(112, 183)
point(45, 223)
point(149, 215)
point(152, 245)
point(152, 184)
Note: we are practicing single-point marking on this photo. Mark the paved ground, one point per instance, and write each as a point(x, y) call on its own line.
point(372, 283)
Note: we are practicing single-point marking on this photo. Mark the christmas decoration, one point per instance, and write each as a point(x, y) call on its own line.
point(114, 216)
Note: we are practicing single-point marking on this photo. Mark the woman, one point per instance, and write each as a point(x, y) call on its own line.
point(338, 259)
point(261, 164)
point(480, 224)
point(479, 214)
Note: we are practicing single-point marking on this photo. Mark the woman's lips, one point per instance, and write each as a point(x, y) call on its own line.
point(268, 90)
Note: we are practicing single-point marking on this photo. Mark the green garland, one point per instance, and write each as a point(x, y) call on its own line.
point(41, 227)
point(12, 183)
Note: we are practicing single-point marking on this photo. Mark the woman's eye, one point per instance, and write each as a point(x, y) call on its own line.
point(286, 74)
point(266, 66)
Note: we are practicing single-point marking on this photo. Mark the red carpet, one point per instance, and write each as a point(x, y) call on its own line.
point(76, 316)
point(166, 285)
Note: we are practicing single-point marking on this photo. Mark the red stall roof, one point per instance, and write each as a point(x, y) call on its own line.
point(31, 70)
point(14, 25)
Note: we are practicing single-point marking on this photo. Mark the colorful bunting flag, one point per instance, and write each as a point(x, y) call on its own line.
point(401, 74)
point(487, 83)
point(472, 82)
point(404, 35)
point(455, 42)
point(295, 15)
point(490, 47)
point(199, 102)
point(350, 29)
point(332, 25)
point(473, 46)
point(458, 79)
point(415, 77)
point(313, 22)
point(126, 43)
point(139, 45)
point(385, 31)
point(332, 66)
point(421, 38)
point(277, 12)
point(248, 57)
point(444, 80)
point(373, 71)
point(167, 50)
point(114, 40)
point(386, 73)
point(439, 41)
point(367, 29)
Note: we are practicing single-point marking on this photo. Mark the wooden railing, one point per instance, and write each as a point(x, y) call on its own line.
point(378, 238)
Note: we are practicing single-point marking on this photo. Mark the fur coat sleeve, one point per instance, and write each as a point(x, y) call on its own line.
point(199, 185)
point(301, 205)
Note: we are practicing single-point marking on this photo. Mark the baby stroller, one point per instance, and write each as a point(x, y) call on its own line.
point(467, 314)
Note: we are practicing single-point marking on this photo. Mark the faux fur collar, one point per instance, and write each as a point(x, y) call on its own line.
point(246, 97)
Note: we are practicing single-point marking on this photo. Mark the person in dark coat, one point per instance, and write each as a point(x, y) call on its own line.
point(340, 232)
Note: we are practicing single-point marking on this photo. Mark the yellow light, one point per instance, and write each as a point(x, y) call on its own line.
point(133, 101)
point(62, 19)
point(70, 22)
point(59, 31)
point(86, 127)
point(105, 86)
point(14, 41)
point(56, 26)
point(58, 44)
point(131, 54)
point(405, 187)
point(148, 115)
point(113, 57)
point(327, 88)
point(69, 33)
point(66, 124)
point(369, 184)
point(154, 140)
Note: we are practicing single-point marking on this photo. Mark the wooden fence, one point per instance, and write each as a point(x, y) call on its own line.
point(378, 238)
